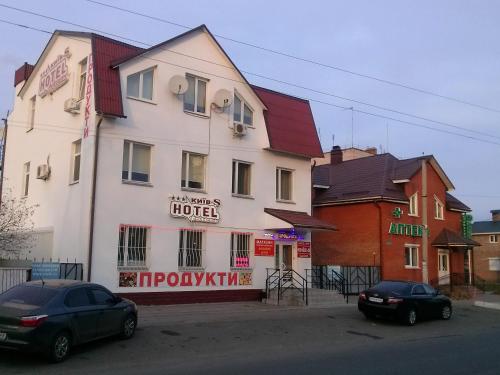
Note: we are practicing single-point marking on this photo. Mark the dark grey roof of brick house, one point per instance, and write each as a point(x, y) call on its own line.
point(370, 177)
point(485, 227)
point(453, 203)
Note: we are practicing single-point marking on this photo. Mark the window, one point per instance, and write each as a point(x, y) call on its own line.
point(133, 246)
point(77, 298)
point(196, 95)
point(101, 297)
point(136, 162)
point(283, 184)
point(193, 171)
point(240, 250)
point(413, 209)
point(190, 248)
point(493, 238)
point(140, 85)
point(26, 179)
point(411, 257)
point(438, 209)
point(31, 297)
point(76, 150)
point(418, 290)
point(494, 264)
point(242, 112)
point(31, 122)
point(241, 177)
point(428, 289)
point(83, 78)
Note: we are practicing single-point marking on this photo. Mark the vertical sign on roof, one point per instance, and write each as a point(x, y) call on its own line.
point(88, 94)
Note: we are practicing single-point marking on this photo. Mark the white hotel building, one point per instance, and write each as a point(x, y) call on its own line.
point(162, 171)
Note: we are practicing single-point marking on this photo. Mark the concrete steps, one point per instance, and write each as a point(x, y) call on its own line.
point(316, 298)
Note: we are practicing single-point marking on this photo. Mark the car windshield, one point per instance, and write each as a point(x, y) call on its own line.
point(27, 297)
point(396, 287)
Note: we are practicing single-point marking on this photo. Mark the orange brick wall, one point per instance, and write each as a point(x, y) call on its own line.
point(481, 255)
point(363, 236)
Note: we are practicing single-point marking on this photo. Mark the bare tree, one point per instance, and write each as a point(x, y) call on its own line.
point(16, 225)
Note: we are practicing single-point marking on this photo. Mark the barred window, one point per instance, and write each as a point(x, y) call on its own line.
point(190, 248)
point(133, 246)
point(240, 250)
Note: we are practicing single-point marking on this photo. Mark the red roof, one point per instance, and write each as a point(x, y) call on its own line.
point(107, 88)
point(23, 73)
point(290, 124)
point(299, 219)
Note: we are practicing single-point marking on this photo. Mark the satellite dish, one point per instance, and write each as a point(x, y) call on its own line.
point(223, 98)
point(178, 85)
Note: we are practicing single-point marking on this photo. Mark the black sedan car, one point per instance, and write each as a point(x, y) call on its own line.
point(403, 300)
point(52, 316)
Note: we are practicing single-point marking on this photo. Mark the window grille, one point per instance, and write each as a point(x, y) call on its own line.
point(133, 246)
point(240, 250)
point(190, 248)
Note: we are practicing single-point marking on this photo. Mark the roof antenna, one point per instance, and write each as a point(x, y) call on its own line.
point(352, 127)
point(333, 140)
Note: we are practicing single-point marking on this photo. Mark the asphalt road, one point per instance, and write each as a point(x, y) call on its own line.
point(251, 338)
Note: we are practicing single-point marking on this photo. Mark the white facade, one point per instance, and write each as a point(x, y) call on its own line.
point(168, 130)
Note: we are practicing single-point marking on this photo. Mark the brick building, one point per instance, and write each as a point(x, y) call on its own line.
point(487, 257)
point(377, 204)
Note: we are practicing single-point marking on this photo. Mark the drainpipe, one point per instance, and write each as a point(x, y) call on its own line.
point(3, 154)
point(381, 238)
point(425, 238)
point(92, 202)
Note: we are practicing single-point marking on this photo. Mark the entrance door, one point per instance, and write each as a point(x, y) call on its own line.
point(444, 267)
point(283, 257)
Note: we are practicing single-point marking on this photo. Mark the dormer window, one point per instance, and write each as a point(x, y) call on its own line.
point(242, 114)
point(195, 97)
point(413, 208)
point(140, 85)
point(438, 209)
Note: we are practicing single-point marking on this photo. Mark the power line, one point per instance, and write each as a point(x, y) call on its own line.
point(302, 59)
point(311, 100)
point(250, 73)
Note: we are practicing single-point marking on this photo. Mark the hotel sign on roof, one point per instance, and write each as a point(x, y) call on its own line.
point(55, 75)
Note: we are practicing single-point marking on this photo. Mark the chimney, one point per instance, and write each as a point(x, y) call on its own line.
point(495, 215)
point(372, 150)
point(336, 155)
point(23, 73)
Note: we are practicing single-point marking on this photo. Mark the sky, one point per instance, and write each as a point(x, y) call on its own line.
point(447, 47)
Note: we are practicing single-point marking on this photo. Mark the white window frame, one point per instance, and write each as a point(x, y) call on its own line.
point(74, 155)
point(26, 179)
point(31, 122)
point(413, 206)
point(279, 198)
point(494, 264)
point(83, 78)
point(493, 238)
point(196, 87)
point(239, 240)
point(235, 169)
point(130, 160)
point(188, 155)
point(438, 209)
point(141, 252)
point(183, 250)
point(141, 85)
point(243, 103)
point(412, 248)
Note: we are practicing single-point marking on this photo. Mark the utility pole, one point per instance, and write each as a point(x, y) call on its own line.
point(4, 146)
point(425, 238)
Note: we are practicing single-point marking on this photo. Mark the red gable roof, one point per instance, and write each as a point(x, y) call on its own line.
point(107, 88)
point(23, 73)
point(290, 124)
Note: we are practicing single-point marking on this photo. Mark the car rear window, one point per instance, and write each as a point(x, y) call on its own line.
point(27, 297)
point(393, 286)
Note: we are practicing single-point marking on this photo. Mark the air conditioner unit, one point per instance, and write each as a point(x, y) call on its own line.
point(239, 130)
point(72, 105)
point(43, 172)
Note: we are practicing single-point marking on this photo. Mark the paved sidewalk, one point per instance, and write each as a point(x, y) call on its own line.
point(487, 300)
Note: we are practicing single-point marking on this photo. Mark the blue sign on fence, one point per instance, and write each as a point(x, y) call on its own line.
point(45, 271)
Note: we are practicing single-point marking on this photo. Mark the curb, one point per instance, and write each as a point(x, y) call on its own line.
point(487, 305)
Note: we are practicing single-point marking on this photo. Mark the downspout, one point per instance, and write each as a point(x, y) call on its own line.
point(425, 238)
point(92, 202)
point(3, 154)
point(381, 240)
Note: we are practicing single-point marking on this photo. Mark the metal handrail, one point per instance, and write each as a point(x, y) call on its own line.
point(285, 280)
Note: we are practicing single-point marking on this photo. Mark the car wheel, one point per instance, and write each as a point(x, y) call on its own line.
point(60, 347)
point(128, 327)
point(411, 317)
point(446, 312)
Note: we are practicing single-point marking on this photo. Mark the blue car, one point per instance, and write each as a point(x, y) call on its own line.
point(52, 316)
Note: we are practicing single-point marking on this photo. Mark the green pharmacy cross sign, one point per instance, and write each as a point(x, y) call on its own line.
point(406, 229)
point(397, 213)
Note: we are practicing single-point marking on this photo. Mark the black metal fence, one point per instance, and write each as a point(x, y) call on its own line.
point(348, 280)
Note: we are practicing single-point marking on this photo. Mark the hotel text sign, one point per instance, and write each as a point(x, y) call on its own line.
point(201, 210)
point(55, 75)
